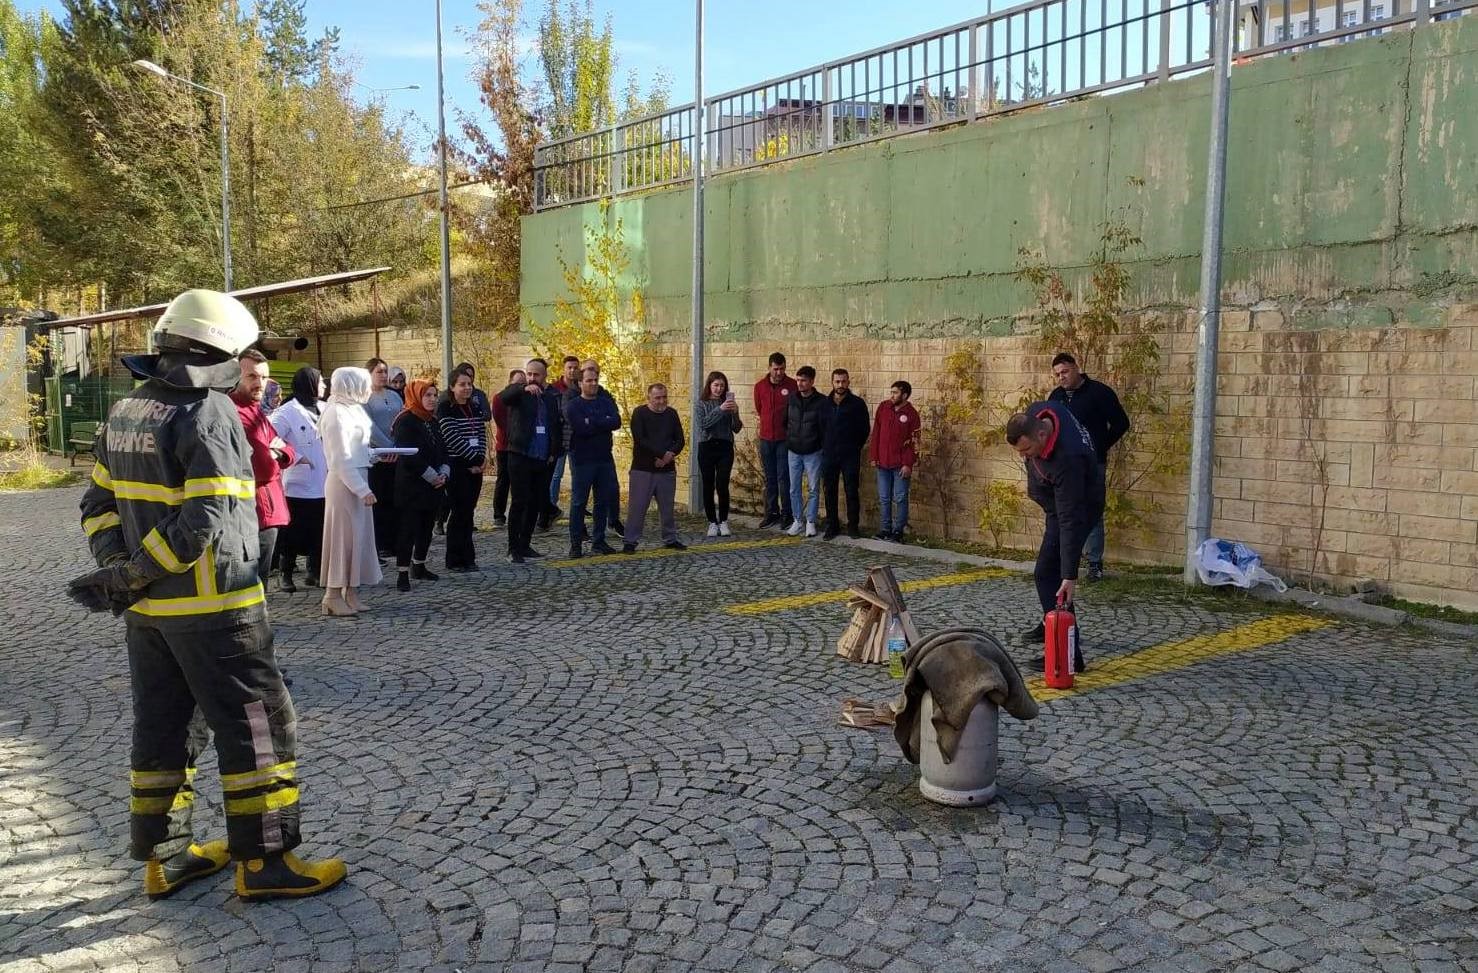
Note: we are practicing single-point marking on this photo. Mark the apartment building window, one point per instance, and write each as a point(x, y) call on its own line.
point(1378, 12)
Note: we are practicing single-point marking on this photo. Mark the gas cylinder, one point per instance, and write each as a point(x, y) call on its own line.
point(1061, 646)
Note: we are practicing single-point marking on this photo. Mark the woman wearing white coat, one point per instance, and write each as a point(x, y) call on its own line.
point(349, 558)
point(296, 422)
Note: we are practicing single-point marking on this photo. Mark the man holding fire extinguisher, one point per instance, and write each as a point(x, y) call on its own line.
point(1065, 480)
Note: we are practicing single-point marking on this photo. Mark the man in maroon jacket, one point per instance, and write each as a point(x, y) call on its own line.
point(895, 452)
point(269, 454)
point(771, 402)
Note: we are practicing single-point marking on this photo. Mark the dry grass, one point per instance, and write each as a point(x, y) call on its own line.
point(26, 469)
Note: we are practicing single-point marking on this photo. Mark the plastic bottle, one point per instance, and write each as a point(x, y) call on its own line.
point(897, 645)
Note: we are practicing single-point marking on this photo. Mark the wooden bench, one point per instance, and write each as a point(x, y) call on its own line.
point(81, 439)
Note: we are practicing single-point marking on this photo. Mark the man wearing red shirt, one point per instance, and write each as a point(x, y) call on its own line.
point(269, 454)
point(771, 402)
point(895, 451)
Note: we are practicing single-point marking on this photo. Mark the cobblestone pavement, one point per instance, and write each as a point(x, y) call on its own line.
point(595, 767)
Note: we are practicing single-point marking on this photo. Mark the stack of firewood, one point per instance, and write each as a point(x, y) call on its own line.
point(873, 603)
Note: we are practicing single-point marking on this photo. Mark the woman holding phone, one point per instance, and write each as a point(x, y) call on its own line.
point(718, 421)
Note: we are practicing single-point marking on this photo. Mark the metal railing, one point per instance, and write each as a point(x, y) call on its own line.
point(1037, 53)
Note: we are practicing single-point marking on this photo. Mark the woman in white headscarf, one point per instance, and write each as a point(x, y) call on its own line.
point(349, 558)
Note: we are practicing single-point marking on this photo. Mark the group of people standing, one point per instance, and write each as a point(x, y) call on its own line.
point(367, 468)
point(807, 435)
point(371, 473)
point(356, 471)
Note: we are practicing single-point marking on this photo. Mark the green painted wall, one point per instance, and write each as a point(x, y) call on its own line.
point(1352, 195)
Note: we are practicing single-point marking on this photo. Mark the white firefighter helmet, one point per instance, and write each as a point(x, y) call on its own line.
point(207, 322)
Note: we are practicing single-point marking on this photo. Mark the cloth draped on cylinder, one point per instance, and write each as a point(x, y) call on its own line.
point(959, 666)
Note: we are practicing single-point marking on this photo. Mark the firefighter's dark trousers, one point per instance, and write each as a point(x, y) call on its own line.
point(231, 675)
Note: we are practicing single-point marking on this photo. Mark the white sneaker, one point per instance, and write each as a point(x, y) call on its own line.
point(723, 530)
point(713, 530)
point(794, 529)
point(810, 528)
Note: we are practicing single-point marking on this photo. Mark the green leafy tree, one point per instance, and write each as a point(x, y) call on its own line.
point(24, 169)
point(603, 316)
point(290, 55)
point(576, 57)
point(130, 193)
point(568, 90)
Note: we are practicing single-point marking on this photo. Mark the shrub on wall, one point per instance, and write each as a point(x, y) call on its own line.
point(1121, 349)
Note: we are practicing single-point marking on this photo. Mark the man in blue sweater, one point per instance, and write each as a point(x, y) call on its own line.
point(1064, 479)
point(590, 418)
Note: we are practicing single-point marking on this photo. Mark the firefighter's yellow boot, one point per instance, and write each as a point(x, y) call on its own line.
point(286, 876)
point(164, 878)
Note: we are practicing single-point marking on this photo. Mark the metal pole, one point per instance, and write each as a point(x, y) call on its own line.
point(226, 194)
point(695, 480)
point(446, 234)
point(1203, 425)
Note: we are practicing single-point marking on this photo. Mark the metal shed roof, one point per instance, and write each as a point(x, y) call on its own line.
point(281, 289)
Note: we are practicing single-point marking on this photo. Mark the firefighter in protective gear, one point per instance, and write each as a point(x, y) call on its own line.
point(170, 518)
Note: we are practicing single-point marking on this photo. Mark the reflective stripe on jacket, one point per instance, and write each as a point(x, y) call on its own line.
point(173, 477)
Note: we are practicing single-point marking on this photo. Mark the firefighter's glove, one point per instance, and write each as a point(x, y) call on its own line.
point(114, 587)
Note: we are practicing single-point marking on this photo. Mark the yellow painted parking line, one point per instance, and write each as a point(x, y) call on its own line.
point(1170, 656)
point(827, 597)
point(666, 552)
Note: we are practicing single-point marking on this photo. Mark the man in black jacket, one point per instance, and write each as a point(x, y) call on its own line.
point(845, 424)
point(1097, 408)
point(803, 446)
point(656, 441)
point(1063, 478)
point(535, 426)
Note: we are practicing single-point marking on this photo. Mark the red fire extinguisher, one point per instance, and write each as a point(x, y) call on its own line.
point(1061, 646)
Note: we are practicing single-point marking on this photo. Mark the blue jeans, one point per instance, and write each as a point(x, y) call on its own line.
point(555, 479)
point(1093, 547)
point(810, 465)
point(599, 475)
point(777, 479)
point(893, 488)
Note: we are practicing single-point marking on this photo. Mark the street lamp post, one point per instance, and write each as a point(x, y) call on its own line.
point(1201, 494)
point(446, 237)
point(153, 68)
point(695, 479)
point(399, 87)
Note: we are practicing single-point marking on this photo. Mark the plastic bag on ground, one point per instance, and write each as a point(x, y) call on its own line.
point(1222, 562)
